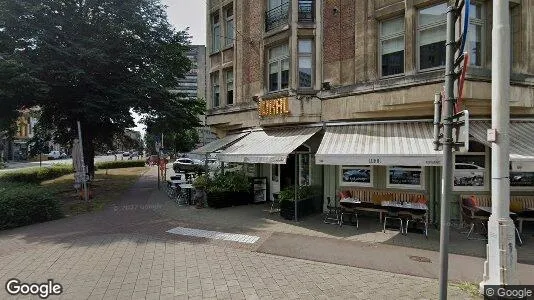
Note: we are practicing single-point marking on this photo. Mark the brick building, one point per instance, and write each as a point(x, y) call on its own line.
point(342, 91)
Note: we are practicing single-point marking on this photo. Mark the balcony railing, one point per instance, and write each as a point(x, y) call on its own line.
point(277, 16)
point(306, 11)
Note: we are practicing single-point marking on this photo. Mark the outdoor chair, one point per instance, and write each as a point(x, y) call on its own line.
point(346, 210)
point(275, 205)
point(332, 214)
point(417, 216)
point(471, 215)
point(393, 214)
point(524, 216)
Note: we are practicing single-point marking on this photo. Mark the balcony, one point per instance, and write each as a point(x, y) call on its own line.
point(306, 11)
point(277, 17)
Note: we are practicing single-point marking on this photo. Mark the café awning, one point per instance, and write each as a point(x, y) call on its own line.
point(521, 138)
point(219, 144)
point(390, 143)
point(267, 146)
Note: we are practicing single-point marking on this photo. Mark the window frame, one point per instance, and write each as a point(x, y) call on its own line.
point(228, 83)
point(215, 84)
point(354, 167)
point(418, 30)
point(482, 23)
point(215, 39)
point(309, 55)
point(278, 60)
point(229, 39)
point(421, 186)
point(389, 37)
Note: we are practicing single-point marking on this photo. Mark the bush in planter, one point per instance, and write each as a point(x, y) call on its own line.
point(306, 196)
point(230, 188)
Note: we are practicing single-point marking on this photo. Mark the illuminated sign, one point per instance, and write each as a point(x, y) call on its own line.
point(273, 107)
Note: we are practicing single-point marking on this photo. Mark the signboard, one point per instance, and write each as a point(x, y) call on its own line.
point(273, 107)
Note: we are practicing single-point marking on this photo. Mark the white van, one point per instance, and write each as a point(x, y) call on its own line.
point(56, 155)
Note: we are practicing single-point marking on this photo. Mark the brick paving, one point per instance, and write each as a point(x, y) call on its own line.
point(123, 252)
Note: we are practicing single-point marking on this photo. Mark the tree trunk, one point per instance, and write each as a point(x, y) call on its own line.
point(88, 149)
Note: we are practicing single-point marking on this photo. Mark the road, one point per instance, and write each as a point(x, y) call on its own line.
point(22, 165)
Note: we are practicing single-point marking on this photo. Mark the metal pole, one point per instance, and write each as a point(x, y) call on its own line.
point(296, 188)
point(501, 263)
point(446, 189)
point(84, 182)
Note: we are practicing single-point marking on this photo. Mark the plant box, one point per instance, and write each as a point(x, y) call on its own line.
point(218, 200)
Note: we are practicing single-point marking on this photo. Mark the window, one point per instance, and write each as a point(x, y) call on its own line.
point(432, 36)
point(215, 89)
point(229, 26)
point(306, 10)
point(521, 180)
point(407, 177)
point(277, 14)
point(474, 36)
point(470, 168)
point(392, 46)
point(356, 176)
point(215, 33)
point(278, 68)
point(305, 63)
point(230, 87)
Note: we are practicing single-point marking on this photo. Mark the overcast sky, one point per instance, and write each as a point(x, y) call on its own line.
point(183, 14)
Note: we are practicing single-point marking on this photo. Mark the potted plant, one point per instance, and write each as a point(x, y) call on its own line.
point(200, 184)
point(216, 196)
point(307, 197)
point(237, 188)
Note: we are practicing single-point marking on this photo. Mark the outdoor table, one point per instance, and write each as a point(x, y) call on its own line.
point(349, 202)
point(488, 209)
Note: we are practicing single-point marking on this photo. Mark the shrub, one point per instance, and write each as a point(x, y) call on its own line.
point(201, 182)
point(118, 164)
point(36, 175)
point(230, 182)
point(24, 204)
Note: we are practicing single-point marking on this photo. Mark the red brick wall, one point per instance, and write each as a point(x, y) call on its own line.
point(338, 30)
point(253, 30)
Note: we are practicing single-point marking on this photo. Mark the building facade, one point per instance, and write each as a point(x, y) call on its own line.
point(346, 90)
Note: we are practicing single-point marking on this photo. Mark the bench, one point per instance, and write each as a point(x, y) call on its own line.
point(370, 198)
point(518, 205)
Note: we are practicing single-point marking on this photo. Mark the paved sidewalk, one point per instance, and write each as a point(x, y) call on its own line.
point(123, 252)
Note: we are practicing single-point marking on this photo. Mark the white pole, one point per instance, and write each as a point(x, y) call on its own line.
point(85, 194)
point(501, 263)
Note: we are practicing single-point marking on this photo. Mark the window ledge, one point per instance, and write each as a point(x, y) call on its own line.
point(215, 52)
point(275, 31)
point(228, 47)
point(275, 94)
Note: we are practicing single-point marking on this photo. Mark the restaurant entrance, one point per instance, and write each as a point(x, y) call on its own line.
point(287, 172)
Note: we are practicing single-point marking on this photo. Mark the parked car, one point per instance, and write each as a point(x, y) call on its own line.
point(125, 153)
point(187, 165)
point(56, 155)
point(109, 152)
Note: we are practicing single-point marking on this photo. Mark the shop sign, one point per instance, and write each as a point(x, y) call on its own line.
point(273, 107)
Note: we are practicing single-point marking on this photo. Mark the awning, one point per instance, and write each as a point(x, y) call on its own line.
point(267, 146)
point(521, 138)
point(400, 143)
point(219, 144)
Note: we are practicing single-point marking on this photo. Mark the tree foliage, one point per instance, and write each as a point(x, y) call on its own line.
point(97, 59)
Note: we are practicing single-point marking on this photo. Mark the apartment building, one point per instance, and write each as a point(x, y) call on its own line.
point(342, 92)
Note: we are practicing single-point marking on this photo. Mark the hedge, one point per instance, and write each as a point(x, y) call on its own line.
point(24, 204)
point(36, 175)
point(120, 164)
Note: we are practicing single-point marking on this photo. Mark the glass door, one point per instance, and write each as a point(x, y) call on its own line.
point(275, 180)
point(304, 174)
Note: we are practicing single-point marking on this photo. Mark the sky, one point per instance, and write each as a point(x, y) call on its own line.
point(183, 14)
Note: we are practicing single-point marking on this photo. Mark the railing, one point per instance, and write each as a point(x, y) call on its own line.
point(277, 16)
point(306, 11)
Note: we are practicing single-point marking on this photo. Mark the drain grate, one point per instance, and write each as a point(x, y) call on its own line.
point(420, 259)
point(216, 235)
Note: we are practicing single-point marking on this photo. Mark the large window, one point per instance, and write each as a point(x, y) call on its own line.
point(215, 93)
point(215, 33)
point(229, 26)
point(356, 176)
point(407, 177)
point(475, 34)
point(305, 63)
point(432, 29)
point(277, 14)
point(278, 68)
point(392, 46)
point(229, 87)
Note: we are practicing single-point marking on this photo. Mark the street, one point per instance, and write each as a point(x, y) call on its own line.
point(125, 252)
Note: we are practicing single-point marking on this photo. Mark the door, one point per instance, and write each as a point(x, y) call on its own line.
point(275, 180)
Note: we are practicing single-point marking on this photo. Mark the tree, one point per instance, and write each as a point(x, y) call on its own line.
point(99, 59)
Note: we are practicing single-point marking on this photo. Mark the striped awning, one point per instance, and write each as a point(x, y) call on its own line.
point(399, 143)
point(521, 138)
point(267, 146)
point(219, 144)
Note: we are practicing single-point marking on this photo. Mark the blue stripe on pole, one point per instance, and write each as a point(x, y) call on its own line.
point(466, 26)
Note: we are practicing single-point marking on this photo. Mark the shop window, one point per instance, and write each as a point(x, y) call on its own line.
point(229, 12)
point(470, 169)
point(230, 87)
point(432, 29)
point(356, 176)
point(405, 177)
point(392, 46)
point(278, 68)
point(304, 170)
point(305, 63)
point(475, 34)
